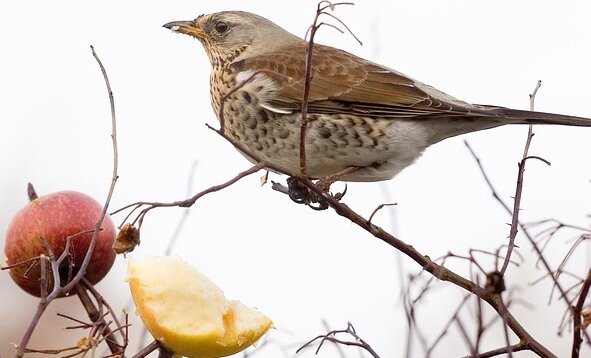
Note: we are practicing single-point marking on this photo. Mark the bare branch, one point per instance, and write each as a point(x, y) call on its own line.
point(519, 186)
point(577, 309)
point(96, 316)
point(503, 350)
point(148, 206)
point(331, 337)
point(445, 329)
point(320, 10)
point(148, 349)
point(58, 290)
point(380, 207)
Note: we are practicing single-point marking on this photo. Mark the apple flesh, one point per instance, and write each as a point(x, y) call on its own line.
point(53, 218)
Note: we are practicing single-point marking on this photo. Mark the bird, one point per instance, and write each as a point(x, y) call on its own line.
point(364, 120)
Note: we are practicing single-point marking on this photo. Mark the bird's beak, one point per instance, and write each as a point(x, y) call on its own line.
point(186, 27)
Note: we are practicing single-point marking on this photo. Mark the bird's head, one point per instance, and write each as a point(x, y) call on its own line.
point(228, 35)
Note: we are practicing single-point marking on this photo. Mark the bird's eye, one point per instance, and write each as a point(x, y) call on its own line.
point(221, 27)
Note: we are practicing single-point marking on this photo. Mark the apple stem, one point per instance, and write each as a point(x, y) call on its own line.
point(31, 192)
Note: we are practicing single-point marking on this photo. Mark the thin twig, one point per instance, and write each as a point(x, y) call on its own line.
point(331, 337)
point(337, 346)
point(59, 290)
point(480, 329)
point(506, 335)
point(410, 309)
point(320, 10)
point(185, 216)
point(148, 206)
point(99, 298)
point(380, 207)
point(306, 95)
point(154, 345)
point(519, 186)
point(529, 237)
point(577, 309)
point(464, 334)
point(96, 316)
point(445, 329)
point(52, 351)
point(503, 350)
point(115, 176)
point(164, 352)
point(570, 252)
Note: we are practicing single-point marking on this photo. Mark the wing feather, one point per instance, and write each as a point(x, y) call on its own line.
point(344, 83)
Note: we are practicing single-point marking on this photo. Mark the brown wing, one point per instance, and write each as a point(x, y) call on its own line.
point(345, 83)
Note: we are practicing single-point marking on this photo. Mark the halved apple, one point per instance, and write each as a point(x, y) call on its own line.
point(188, 313)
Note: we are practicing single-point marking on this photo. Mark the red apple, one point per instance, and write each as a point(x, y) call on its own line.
point(53, 218)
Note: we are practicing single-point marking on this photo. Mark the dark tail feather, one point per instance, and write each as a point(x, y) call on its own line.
point(530, 117)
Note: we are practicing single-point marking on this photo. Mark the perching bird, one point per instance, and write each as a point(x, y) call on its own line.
point(360, 114)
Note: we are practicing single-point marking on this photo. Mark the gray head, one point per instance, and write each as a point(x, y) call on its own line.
point(227, 35)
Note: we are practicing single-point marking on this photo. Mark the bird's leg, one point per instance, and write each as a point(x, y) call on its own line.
point(325, 182)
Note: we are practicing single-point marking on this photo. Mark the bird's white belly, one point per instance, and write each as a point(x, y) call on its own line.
point(381, 147)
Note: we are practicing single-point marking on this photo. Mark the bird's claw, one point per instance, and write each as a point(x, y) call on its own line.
point(300, 194)
point(339, 195)
point(297, 191)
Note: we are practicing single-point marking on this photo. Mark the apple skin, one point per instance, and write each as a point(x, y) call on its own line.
point(54, 217)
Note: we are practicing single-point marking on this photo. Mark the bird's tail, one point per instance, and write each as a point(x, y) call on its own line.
point(530, 117)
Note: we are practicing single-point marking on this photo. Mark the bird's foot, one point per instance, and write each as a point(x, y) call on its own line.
point(300, 194)
point(325, 182)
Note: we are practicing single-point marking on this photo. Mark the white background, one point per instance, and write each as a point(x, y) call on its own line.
point(297, 266)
